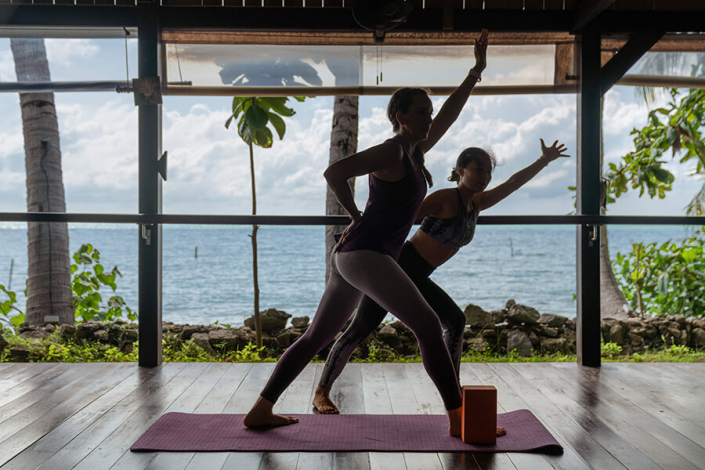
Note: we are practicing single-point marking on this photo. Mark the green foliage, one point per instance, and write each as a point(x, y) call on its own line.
point(250, 353)
point(611, 349)
point(665, 278)
point(86, 285)
point(255, 114)
point(677, 128)
point(7, 321)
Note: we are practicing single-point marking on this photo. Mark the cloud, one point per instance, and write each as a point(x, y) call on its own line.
point(62, 52)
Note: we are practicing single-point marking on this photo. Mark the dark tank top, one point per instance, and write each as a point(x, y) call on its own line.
point(390, 212)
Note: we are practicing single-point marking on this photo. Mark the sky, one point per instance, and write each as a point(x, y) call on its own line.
point(209, 168)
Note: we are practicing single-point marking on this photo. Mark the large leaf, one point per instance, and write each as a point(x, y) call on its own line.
point(256, 117)
point(264, 138)
point(246, 132)
point(279, 108)
point(278, 124)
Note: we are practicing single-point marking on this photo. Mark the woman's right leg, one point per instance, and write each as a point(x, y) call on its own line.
point(336, 306)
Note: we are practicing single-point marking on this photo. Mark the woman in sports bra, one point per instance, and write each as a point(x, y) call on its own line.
point(449, 218)
point(364, 262)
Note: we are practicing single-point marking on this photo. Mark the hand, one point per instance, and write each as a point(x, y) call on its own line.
point(481, 51)
point(346, 233)
point(553, 152)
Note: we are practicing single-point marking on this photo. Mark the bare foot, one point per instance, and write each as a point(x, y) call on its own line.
point(261, 416)
point(323, 404)
point(455, 418)
point(501, 432)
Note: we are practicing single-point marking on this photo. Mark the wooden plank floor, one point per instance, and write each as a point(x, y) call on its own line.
point(86, 416)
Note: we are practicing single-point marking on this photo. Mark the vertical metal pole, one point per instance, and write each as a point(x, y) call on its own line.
point(588, 186)
point(150, 196)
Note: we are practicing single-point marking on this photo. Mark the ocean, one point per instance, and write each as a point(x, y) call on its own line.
point(534, 265)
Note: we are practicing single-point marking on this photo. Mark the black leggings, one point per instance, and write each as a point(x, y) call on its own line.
point(370, 314)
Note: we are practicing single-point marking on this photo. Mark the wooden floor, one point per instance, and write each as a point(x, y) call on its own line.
point(86, 416)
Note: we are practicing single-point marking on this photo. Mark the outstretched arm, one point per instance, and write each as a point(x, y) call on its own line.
point(454, 104)
point(487, 199)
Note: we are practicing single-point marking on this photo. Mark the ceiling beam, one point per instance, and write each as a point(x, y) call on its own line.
point(638, 45)
point(588, 10)
point(340, 19)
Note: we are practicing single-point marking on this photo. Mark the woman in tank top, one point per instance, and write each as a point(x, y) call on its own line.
point(364, 260)
point(449, 218)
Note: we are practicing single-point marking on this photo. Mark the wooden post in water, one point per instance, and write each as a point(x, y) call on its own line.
point(9, 281)
point(195, 253)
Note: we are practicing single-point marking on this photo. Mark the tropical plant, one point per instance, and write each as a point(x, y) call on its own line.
point(49, 276)
point(677, 127)
point(254, 115)
point(7, 321)
point(667, 278)
point(86, 286)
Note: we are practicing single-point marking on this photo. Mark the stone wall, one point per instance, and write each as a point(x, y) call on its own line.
point(515, 327)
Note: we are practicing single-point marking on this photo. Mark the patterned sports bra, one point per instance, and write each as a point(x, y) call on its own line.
point(456, 231)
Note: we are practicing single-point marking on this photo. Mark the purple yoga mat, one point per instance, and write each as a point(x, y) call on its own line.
point(184, 432)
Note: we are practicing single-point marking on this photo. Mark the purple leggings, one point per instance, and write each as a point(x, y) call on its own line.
point(379, 277)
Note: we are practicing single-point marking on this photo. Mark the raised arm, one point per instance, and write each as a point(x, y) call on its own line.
point(487, 199)
point(454, 104)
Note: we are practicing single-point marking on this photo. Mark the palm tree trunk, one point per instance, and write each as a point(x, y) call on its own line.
point(613, 304)
point(49, 271)
point(255, 276)
point(343, 143)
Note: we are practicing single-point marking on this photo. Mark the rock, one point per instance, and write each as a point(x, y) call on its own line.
point(300, 322)
point(25, 327)
point(554, 345)
point(50, 328)
point(523, 314)
point(680, 319)
point(18, 353)
point(499, 316)
point(126, 347)
point(272, 320)
point(284, 339)
point(618, 333)
point(37, 334)
point(697, 338)
point(476, 344)
point(550, 332)
point(699, 323)
point(549, 319)
point(67, 330)
point(189, 331)
point(636, 341)
point(387, 332)
point(535, 340)
point(222, 336)
point(520, 341)
point(570, 324)
point(510, 303)
point(101, 335)
point(131, 334)
point(86, 330)
point(489, 334)
point(3, 343)
point(476, 316)
point(202, 340)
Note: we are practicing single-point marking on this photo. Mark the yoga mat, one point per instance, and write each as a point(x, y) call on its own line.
point(184, 432)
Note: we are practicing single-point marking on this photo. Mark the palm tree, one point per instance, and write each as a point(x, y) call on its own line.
point(49, 272)
point(343, 139)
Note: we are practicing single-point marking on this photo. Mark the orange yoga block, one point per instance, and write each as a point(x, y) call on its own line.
point(479, 423)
